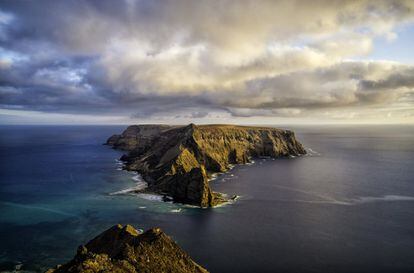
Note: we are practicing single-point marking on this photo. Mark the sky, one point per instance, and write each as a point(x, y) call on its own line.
point(207, 61)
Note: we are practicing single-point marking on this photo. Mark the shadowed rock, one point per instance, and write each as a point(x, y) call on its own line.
point(124, 249)
point(178, 160)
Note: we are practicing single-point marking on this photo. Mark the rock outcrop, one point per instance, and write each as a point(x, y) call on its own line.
point(124, 249)
point(178, 160)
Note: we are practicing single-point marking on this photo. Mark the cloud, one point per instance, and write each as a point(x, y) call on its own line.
point(343, 84)
point(191, 58)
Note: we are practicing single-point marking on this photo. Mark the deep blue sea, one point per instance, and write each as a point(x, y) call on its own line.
point(346, 207)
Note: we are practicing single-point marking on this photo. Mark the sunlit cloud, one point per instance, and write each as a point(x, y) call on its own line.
point(241, 61)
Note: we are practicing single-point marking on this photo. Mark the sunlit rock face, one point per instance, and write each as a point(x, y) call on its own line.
point(178, 160)
point(124, 249)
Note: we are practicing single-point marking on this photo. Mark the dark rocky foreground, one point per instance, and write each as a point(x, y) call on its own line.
point(124, 249)
point(177, 161)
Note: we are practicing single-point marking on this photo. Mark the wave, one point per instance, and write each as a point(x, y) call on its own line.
point(214, 176)
point(119, 165)
point(311, 152)
point(150, 196)
point(250, 163)
point(139, 186)
point(137, 178)
point(135, 191)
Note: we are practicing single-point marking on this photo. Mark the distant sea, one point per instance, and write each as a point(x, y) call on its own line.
point(346, 207)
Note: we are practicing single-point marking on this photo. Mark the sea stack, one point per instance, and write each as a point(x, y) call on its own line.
point(177, 161)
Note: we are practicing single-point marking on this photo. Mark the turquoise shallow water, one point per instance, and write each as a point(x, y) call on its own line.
point(349, 207)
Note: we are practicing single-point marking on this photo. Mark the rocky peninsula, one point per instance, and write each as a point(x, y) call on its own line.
point(177, 161)
point(124, 249)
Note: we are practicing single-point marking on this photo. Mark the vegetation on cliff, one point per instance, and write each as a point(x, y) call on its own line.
point(178, 160)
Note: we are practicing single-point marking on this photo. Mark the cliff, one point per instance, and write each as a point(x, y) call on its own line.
point(124, 249)
point(177, 160)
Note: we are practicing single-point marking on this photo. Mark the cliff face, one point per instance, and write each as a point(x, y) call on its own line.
point(124, 249)
point(177, 160)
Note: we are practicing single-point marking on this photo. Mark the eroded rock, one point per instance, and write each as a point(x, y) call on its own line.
point(178, 160)
point(124, 249)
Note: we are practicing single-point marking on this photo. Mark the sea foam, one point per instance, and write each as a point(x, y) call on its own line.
point(139, 186)
point(310, 152)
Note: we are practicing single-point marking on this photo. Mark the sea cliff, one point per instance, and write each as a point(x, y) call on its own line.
point(177, 161)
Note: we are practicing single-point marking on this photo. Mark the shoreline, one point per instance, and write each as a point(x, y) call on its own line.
point(141, 185)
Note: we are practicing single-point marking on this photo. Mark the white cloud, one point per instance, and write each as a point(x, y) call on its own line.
point(247, 58)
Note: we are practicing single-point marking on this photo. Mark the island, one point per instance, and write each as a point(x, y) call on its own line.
point(125, 249)
point(178, 161)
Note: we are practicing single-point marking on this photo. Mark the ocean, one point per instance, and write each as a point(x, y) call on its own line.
point(347, 206)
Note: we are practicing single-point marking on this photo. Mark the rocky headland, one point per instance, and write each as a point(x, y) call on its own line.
point(124, 249)
point(177, 161)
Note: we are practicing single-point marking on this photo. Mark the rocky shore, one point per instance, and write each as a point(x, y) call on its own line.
point(177, 161)
point(124, 249)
